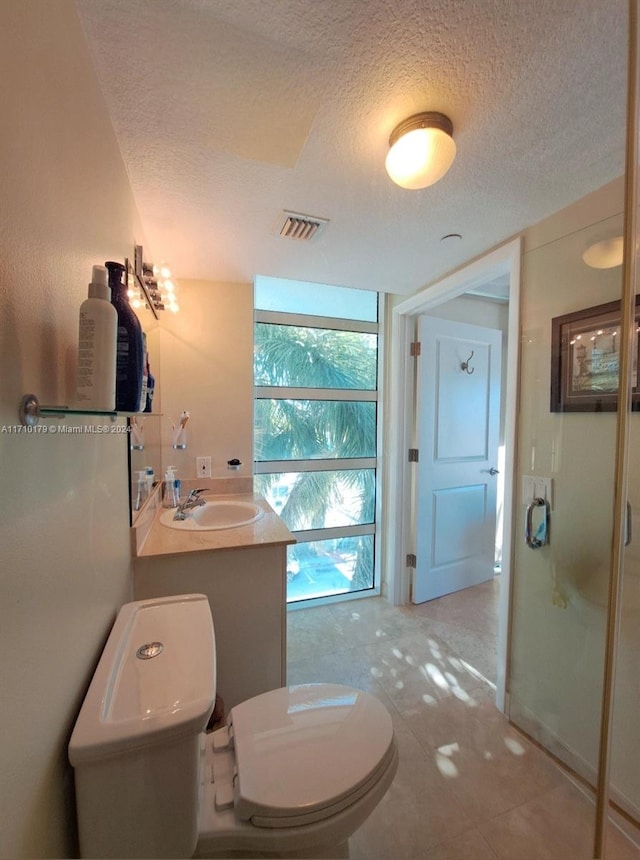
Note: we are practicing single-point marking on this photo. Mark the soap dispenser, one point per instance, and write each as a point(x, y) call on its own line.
point(171, 496)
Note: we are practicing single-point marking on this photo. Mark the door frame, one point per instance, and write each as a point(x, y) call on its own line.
point(504, 260)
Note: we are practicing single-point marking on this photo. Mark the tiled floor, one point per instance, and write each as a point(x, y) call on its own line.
point(468, 785)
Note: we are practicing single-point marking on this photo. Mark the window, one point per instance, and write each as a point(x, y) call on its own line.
point(316, 420)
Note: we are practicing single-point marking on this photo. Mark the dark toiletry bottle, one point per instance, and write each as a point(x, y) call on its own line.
point(151, 386)
point(130, 349)
point(143, 394)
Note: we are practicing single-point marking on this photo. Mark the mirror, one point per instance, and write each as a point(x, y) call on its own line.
point(144, 428)
point(151, 289)
point(144, 432)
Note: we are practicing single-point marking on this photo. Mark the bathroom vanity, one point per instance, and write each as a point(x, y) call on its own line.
point(242, 571)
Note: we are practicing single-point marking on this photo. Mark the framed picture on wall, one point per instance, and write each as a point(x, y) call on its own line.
point(585, 365)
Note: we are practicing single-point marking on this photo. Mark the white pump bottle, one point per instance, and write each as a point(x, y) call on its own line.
point(97, 340)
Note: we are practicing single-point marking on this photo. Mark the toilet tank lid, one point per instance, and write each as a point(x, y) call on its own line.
point(156, 679)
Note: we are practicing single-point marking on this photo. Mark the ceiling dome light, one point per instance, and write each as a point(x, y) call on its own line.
point(421, 150)
point(605, 254)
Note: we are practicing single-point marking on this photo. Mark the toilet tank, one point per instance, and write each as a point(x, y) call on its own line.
point(136, 745)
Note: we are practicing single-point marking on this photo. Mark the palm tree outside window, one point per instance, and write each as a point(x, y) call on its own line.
point(316, 431)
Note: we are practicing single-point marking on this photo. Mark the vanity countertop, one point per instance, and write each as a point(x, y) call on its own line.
point(269, 530)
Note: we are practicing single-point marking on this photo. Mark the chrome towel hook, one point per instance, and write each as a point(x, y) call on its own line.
point(465, 365)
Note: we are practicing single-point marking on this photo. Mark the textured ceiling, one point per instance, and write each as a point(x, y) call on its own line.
point(230, 111)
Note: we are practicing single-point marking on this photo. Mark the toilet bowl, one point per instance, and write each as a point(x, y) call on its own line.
point(294, 772)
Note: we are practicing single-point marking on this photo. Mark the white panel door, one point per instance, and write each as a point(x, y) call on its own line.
point(458, 433)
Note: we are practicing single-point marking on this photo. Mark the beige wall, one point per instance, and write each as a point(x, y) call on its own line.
point(206, 369)
point(66, 204)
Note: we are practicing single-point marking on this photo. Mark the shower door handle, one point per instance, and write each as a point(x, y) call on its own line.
point(541, 536)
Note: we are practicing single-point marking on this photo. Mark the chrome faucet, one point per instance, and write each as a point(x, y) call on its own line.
point(193, 500)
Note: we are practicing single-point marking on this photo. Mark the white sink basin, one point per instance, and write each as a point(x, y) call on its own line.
point(221, 514)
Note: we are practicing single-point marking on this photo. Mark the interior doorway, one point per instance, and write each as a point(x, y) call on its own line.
point(501, 266)
point(458, 431)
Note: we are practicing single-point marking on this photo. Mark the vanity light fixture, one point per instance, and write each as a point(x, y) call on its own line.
point(421, 150)
point(151, 285)
point(161, 286)
point(605, 254)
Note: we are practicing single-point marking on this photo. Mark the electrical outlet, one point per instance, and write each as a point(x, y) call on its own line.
point(203, 467)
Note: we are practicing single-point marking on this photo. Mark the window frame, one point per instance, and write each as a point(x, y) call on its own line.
point(333, 464)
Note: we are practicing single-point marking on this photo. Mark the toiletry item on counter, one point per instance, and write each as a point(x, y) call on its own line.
point(97, 337)
point(180, 432)
point(168, 495)
point(137, 434)
point(130, 350)
point(171, 497)
point(148, 471)
point(142, 490)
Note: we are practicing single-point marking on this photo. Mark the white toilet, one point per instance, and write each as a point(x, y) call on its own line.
point(294, 773)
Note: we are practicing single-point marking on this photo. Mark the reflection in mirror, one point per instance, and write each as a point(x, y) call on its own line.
point(156, 284)
point(145, 468)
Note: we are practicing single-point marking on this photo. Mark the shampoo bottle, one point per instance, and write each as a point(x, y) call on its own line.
point(130, 350)
point(97, 336)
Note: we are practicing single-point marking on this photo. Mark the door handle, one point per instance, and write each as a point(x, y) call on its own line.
point(491, 471)
point(627, 532)
point(541, 536)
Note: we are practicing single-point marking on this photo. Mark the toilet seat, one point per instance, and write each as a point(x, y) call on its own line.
point(151, 783)
point(292, 828)
point(301, 754)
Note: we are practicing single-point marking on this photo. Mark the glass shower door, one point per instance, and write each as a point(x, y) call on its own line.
point(567, 462)
point(621, 796)
point(574, 637)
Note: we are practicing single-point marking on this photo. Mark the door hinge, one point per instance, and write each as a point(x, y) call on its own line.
point(414, 349)
point(411, 559)
point(507, 704)
point(413, 455)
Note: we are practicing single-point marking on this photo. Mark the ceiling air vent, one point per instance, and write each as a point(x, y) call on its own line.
point(298, 226)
